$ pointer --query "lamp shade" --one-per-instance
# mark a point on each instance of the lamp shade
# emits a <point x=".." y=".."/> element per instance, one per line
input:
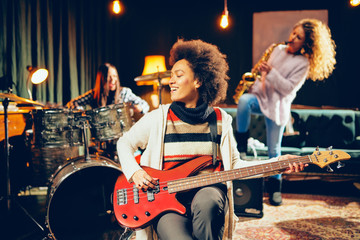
<point x="36" y="76"/>
<point x="154" y="64"/>
<point x="39" y="76"/>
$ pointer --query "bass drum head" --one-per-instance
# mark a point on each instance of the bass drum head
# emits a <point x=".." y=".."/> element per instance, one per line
<point x="79" y="200"/>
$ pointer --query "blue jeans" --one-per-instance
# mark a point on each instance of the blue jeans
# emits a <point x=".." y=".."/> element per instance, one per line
<point x="249" y="104"/>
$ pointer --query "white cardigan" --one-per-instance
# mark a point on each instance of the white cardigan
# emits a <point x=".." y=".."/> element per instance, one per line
<point x="148" y="133"/>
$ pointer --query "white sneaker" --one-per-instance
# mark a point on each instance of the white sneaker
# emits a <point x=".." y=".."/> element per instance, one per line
<point x="253" y="144"/>
<point x="256" y="143"/>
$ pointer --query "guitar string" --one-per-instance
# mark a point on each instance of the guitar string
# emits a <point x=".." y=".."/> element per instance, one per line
<point x="174" y="184"/>
<point x="178" y="184"/>
<point x="205" y="179"/>
<point x="251" y="170"/>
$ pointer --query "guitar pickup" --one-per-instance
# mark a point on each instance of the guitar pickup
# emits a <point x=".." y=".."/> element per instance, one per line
<point x="121" y="196"/>
<point x="151" y="193"/>
<point x="136" y="194"/>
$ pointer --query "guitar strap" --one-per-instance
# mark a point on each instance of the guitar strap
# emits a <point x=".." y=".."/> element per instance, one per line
<point x="213" y="133"/>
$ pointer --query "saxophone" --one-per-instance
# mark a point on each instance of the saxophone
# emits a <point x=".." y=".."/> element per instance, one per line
<point x="249" y="78"/>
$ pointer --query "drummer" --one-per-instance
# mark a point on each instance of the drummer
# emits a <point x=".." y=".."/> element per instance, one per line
<point x="108" y="91"/>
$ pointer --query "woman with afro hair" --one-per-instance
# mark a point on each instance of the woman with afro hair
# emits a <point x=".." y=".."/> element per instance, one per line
<point x="180" y="132"/>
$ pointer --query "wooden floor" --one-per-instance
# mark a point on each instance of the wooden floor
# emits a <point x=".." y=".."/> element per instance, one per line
<point x="27" y="218"/>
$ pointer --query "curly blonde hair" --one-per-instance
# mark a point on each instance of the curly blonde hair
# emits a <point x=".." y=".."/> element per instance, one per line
<point x="208" y="64"/>
<point x="319" y="48"/>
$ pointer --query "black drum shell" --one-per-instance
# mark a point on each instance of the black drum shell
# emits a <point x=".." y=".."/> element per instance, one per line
<point x="79" y="199"/>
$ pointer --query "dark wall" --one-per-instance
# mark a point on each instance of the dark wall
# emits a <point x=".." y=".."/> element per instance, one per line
<point x="151" y="27"/>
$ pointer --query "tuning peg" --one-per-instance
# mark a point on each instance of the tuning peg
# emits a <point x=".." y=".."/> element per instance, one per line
<point x="329" y="169"/>
<point x="340" y="165"/>
<point x="318" y="150"/>
<point x="330" y="149"/>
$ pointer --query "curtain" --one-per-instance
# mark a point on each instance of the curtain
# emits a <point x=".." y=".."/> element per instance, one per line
<point x="59" y="35"/>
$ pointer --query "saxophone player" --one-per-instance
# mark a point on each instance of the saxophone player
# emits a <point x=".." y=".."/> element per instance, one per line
<point x="308" y="54"/>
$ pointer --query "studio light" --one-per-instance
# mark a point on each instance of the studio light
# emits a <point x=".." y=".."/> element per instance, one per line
<point x="36" y="76"/>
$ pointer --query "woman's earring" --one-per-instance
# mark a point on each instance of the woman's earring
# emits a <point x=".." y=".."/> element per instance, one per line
<point x="302" y="51"/>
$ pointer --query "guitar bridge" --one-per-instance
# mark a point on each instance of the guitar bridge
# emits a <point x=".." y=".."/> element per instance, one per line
<point x="121" y="196"/>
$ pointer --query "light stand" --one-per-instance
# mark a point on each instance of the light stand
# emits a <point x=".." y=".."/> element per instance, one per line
<point x="159" y="87"/>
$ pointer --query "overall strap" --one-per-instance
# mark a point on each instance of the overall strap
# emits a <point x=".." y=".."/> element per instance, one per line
<point x="213" y="133"/>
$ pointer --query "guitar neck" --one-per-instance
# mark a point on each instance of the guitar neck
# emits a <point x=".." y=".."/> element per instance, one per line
<point x="202" y="180"/>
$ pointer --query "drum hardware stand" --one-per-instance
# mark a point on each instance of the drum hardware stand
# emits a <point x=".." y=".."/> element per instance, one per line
<point x="127" y="234"/>
<point x="84" y="125"/>
<point x="8" y="196"/>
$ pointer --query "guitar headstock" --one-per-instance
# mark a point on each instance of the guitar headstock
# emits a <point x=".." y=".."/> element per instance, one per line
<point x="325" y="158"/>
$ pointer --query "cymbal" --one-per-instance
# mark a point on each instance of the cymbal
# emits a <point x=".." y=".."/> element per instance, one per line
<point x="19" y="100"/>
<point x="152" y="77"/>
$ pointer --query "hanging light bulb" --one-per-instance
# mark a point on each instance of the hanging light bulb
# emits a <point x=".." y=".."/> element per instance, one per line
<point x="116" y="6"/>
<point x="224" y="22"/>
<point x="354" y="3"/>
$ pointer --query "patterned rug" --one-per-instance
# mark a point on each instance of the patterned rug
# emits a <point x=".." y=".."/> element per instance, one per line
<point x="305" y="217"/>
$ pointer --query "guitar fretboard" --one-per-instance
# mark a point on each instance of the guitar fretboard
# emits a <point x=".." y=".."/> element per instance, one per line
<point x="217" y="177"/>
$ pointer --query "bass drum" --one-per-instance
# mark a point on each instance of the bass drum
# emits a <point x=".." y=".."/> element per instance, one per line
<point x="79" y="201"/>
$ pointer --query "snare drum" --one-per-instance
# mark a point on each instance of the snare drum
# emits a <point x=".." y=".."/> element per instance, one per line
<point x="79" y="200"/>
<point x="110" y="122"/>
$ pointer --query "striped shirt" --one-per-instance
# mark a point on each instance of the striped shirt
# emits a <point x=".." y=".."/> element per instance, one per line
<point x="184" y="142"/>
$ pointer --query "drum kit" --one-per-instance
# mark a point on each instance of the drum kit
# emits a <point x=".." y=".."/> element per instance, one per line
<point x="79" y="184"/>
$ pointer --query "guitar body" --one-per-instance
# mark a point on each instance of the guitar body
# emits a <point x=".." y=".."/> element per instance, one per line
<point x="136" y="209"/>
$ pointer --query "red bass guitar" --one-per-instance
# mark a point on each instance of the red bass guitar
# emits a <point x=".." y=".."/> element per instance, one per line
<point x="136" y="209"/>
